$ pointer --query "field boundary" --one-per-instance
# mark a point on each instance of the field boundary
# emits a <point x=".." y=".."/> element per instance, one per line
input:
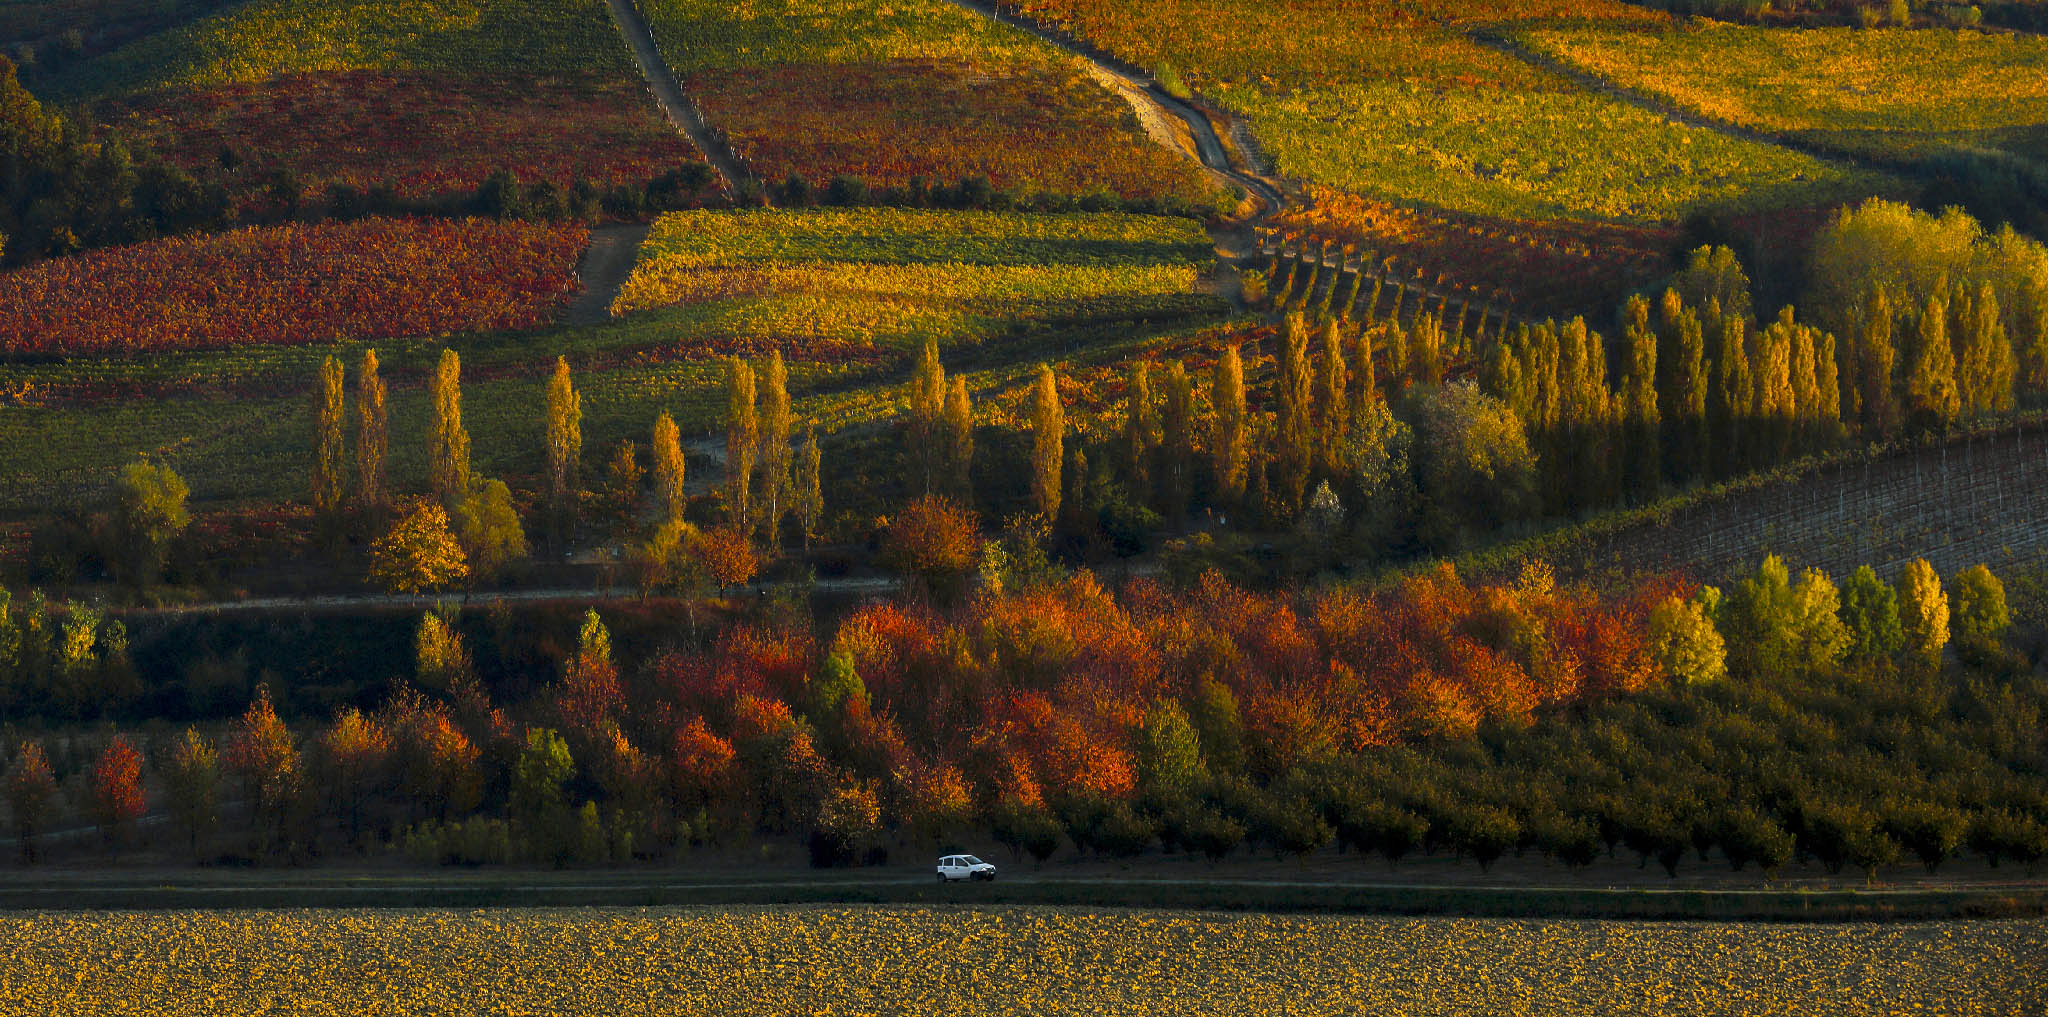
<point x="571" y="889"/>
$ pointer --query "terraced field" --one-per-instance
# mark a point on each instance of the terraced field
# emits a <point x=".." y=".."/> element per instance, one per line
<point x="917" y="962"/>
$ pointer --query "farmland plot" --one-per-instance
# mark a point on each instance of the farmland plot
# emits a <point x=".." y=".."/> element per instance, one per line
<point x="1040" y="960"/>
<point x="916" y="91"/>
<point x="370" y="279"/>
<point x="427" y="99"/>
<point x="1896" y="94"/>
<point x="1388" y="100"/>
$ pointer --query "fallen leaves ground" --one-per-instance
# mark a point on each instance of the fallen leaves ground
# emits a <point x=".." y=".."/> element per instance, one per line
<point x="916" y="961"/>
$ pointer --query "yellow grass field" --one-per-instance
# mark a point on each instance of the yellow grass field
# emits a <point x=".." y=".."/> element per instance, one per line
<point x="961" y="961"/>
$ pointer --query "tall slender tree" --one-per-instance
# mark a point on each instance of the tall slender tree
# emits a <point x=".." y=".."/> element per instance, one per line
<point x="1332" y="398"/>
<point x="809" y="496"/>
<point x="564" y="437"/>
<point x="448" y="463"/>
<point x="1876" y="359"/>
<point x="1048" y="435"/>
<point x="1931" y="395"/>
<point x="1229" y="443"/>
<point x="1730" y="407"/>
<point x="330" y="441"/>
<point x="667" y="450"/>
<point x="1177" y="440"/>
<point x="774" y="427"/>
<point x="371" y="435"/>
<point x="1827" y="412"/>
<point x="960" y="439"/>
<point x="927" y="407"/>
<point x="742" y="439"/>
<point x="1984" y="359"/>
<point x="1363" y="383"/>
<point x="1294" y="396"/>
<point x="1642" y="422"/>
<point x="1141" y="429"/>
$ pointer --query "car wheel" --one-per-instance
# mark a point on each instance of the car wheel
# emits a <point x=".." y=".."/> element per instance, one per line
<point x="942" y="877"/>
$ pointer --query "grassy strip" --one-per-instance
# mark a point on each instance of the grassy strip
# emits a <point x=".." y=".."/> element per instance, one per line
<point x="561" y="890"/>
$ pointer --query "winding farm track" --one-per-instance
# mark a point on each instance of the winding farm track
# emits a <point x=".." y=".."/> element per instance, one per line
<point x="669" y="92"/>
<point x="1236" y="241"/>
<point x="1136" y="84"/>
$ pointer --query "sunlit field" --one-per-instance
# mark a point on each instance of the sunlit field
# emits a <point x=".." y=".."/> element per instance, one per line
<point x="997" y="960"/>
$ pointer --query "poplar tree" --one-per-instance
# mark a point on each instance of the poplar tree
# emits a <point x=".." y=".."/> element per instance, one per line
<point x="1684" y="409"/>
<point x="564" y="439"/>
<point x="1227" y="438"/>
<point x="1426" y="351"/>
<point x="742" y="439"/>
<point x="1771" y="405"/>
<point x="667" y="452"/>
<point x="1931" y="395"/>
<point x="1639" y="402"/>
<point x="1876" y="357"/>
<point x="1984" y="359"/>
<point x="330" y="441"/>
<point x="1363" y="384"/>
<point x="927" y="406"/>
<point x="774" y="426"/>
<point x="622" y="478"/>
<point x="1176" y="425"/>
<point x="1332" y="399"/>
<point x="1141" y="430"/>
<point x="1827" y="413"/>
<point x="809" y="497"/>
<point x="449" y="460"/>
<point x="1048" y="427"/>
<point x="960" y="438"/>
<point x="371" y="435"/>
<point x="1806" y="409"/>
<point x="1295" y="392"/>
<point x="1730" y="407"/>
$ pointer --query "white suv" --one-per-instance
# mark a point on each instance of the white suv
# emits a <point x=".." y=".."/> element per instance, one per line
<point x="954" y="867"/>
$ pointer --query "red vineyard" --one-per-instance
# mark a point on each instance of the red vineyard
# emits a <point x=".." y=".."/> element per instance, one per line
<point x="424" y="135"/>
<point x="293" y="285"/>
<point x="1021" y="129"/>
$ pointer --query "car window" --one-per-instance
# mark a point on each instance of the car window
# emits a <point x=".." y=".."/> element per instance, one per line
<point x="970" y="859"/>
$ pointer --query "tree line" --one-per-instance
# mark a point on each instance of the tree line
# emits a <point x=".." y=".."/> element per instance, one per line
<point x="1780" y="720"/>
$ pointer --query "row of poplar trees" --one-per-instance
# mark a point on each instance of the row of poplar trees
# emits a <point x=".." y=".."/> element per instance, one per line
<point x="766" y="480"/>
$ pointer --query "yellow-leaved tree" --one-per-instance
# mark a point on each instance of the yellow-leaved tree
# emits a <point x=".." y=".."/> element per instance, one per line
<point x="419" y="554"/>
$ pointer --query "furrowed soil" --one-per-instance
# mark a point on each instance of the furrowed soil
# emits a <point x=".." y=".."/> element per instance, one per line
<point x="967" y="960"/>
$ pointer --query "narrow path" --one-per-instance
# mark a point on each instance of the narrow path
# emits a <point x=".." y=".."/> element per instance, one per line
<point x="421" y="602"/>
<point x="605" y="266"/>
<point x="669" y="92"/>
